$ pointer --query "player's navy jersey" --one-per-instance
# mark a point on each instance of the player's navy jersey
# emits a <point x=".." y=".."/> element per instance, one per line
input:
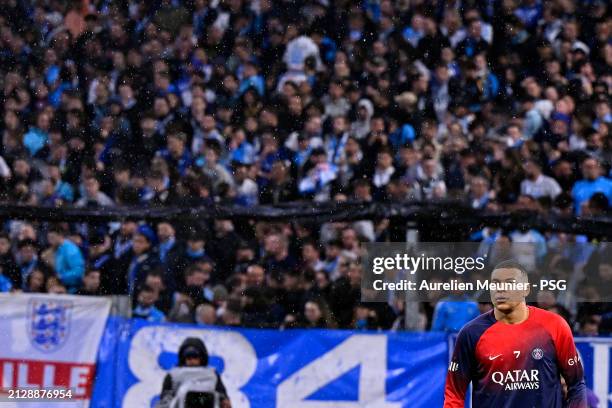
<point x="516" y="365"/>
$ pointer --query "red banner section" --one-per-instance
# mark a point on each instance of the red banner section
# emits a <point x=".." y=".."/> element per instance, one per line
<point x="35" y="374"/>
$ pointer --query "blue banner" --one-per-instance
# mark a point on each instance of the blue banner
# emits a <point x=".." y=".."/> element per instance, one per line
<point x="596" y="358"/>
<point x="271" y="368"/>
<point x="299" y="368"/>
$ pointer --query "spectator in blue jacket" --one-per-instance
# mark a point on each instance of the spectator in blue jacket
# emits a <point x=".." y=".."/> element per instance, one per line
<point x="251" y="79"/>
<point x="6" y="285"/>
<point x="37" y="137"/>
<point x="145" y="308"/>
<point x="593" y="182"/>
<point x="453" y="312"/>
<point x="68" y="261"/>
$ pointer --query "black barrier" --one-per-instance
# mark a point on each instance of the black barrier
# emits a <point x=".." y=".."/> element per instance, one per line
<point x="445" y="215"/>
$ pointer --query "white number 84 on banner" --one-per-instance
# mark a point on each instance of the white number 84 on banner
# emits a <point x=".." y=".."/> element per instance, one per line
<point x="240" y="364"/>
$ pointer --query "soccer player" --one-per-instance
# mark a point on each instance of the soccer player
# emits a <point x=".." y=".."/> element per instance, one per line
<point x="515" y="354"/>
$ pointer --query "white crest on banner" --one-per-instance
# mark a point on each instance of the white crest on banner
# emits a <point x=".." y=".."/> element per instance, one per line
<point x="48" y="323"/>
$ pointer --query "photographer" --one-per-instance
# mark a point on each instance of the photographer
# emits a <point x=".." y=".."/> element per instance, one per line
<point x="193" y="384"/>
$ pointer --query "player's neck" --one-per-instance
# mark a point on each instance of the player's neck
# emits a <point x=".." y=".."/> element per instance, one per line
<point x="518" y="315"/>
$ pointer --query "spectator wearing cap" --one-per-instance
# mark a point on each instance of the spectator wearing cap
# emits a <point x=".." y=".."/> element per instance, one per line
<point x="69" y="263"/>
<point x="142" y="259"/>
<point x="593" y="182"/>
<point x="195" y="249"/>
<point x="100" y="257"/>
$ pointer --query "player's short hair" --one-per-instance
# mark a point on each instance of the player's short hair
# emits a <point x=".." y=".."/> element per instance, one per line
<point x="511" y="264"/>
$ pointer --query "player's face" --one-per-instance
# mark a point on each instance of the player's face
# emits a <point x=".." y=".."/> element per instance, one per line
<point x="507" y="300"/>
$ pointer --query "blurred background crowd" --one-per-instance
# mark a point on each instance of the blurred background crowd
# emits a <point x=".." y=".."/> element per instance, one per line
<point x="502" y="105"/>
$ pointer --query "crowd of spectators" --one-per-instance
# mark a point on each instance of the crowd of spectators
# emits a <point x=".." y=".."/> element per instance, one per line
<point x="503" y="105"/>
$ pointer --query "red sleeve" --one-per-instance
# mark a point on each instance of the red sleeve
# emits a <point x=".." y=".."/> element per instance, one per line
<point x="570" y="365"/>
<point x="459" y="372"/>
